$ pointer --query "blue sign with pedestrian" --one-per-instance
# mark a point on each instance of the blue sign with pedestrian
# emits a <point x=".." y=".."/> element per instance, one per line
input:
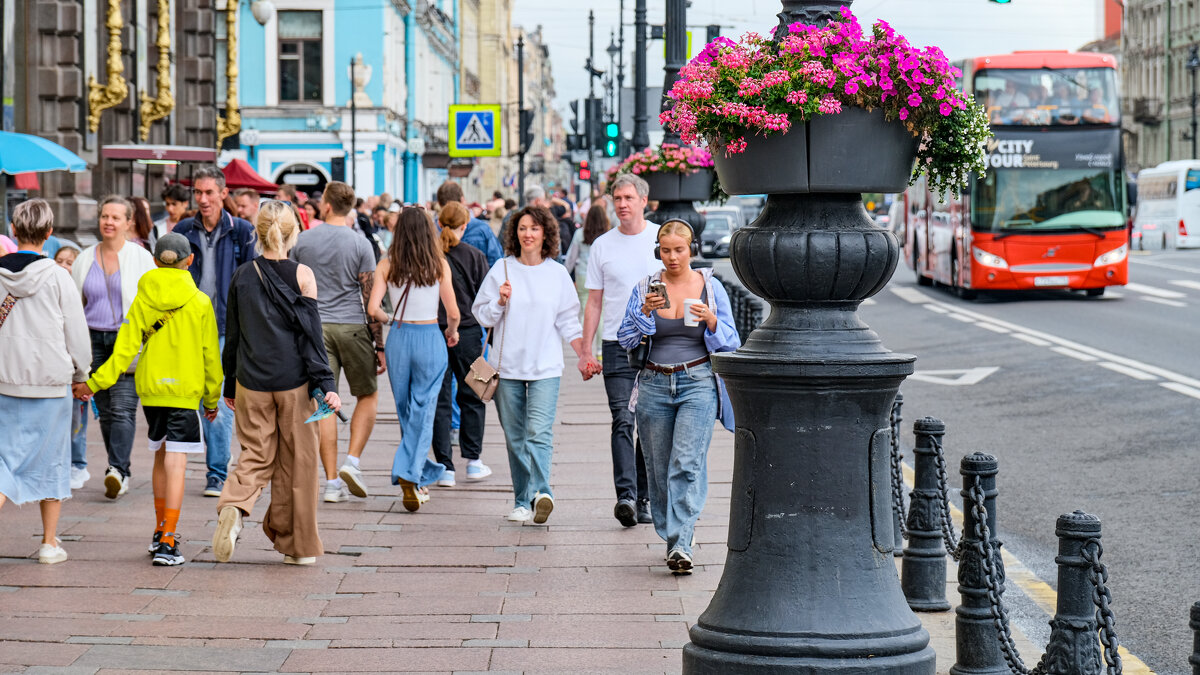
<point x="474" y="131"/>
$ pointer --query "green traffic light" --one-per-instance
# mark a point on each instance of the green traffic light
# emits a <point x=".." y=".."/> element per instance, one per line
<point x="610" y="149"/>
<point x="612" y="130"/>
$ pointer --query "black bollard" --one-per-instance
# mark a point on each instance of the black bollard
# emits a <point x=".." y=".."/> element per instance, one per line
<point x="1194" y="659"/>
<point x="897" y="478"/>
<point x="923" y="569"/>
<point x="977" y="649"/>
<point x="1073" y="648"/>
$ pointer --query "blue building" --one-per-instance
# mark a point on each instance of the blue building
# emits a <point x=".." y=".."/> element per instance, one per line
<point x="297" y="74"/>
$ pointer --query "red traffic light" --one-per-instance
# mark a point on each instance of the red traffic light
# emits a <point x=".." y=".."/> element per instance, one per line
<point x="585" y="174"/>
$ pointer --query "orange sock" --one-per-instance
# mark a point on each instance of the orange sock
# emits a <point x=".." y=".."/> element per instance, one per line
<point x="170" y="521"/>
<point x="160" y="505"/>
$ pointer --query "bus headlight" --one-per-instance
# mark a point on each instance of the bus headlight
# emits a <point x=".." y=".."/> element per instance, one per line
<point x="1112" y="257"/>
<point x="988" y="259"/>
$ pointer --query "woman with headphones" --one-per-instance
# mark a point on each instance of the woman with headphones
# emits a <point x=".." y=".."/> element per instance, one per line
<point x="686" y="315"/>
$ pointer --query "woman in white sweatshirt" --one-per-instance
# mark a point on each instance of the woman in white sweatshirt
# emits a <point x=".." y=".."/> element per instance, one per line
<point x="529" y="302"/>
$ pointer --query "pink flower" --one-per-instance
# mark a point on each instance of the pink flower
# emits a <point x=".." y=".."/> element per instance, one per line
<point x="851" y="88"/>
<point x="797" y="97"/>
<point x="914" y="100"/>
<point x="946" y="109"/>
<point x="903" y="114"/>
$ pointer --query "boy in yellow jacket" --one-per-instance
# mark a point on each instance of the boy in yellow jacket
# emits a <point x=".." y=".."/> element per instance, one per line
<point x="172" y="325"/>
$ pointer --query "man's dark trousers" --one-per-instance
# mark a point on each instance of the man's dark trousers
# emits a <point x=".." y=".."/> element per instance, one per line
<point x="629" y="468"/>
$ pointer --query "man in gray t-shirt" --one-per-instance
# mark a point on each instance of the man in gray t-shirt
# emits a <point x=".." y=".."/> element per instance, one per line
<point x="343" y="263"/>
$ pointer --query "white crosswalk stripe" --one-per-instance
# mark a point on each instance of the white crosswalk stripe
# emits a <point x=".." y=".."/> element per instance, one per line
<point x="1154" y="291"/>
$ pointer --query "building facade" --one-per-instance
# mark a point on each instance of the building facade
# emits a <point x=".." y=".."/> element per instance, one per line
<point x="1156" y="44"/>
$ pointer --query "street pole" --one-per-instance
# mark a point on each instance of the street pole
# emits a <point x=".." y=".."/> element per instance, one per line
<point x="676" y="38"/>
<point x="353" y="132"/>
<point x="620" y="73"/>
<point x="591" y="142"/>
<point x="641" y="136"/>
<point x="1193" y="65"/>
<point x="520" y="108"/>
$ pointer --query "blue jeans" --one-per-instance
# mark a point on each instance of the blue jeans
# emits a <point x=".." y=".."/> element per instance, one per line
<point x="218" y="435"/>
<point x="526" y="409"/>
<point x="117" y="406"/>
<point x="79" y="419"/>
<point x="675" y="416"/>
<point x="416" y="362"/>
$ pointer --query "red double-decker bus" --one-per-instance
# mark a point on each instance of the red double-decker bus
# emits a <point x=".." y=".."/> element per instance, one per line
<point x="1049" y="212"/>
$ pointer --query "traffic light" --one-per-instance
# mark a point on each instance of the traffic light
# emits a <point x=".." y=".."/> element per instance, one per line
<point x="574" y="117"/>
<point x="595" y="123"/>
<point x="526" y="120"/>
<point x="713" y="32"/>
<point x="612" y="138"/>
<point x="585" y="173"/>
<point x="1000" y="2"/>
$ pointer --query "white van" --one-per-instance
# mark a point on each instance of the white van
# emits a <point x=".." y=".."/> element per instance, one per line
<point x="1168" y="206"/>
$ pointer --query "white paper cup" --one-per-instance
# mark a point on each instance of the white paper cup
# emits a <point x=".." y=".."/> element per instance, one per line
<point x="689" y="319"/>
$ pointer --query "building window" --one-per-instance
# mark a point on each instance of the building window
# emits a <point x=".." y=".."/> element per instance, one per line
<point x="299" y="56"/>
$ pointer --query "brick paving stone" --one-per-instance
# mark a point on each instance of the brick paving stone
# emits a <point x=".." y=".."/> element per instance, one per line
<point x="554" y="631"/>
<point x="385" y="660"/>
<point x="98" y="640"/>
<point x="36" y="653"/>
<point x="407" y="581"/>
<point x="54" y="670"/>
<point x="298" y="644"/>
<point x="435" y="602"/>
<point x="429" y="628"/>
<point x="547" y="660"/>
<point x="147" y="657"/>
<point x="52" y="629"/>
<point x="275" y="628"/>
<point x="40" y="599"/>
<point x="500" y="618"/>
<point x="610" y="602"/>
<point x="436" y="556"/>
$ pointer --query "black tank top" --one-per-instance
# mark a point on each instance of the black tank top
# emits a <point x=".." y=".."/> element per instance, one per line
<point x="286" y="269"/>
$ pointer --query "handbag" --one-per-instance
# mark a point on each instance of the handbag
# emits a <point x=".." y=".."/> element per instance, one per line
<point x="482" y="378"/>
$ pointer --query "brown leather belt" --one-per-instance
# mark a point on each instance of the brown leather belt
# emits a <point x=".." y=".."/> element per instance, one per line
<point x="667" y="370"/>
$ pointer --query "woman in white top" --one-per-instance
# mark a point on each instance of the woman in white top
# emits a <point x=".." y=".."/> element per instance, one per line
<point x="530" y="303"/>
<point x="417" y="277"/>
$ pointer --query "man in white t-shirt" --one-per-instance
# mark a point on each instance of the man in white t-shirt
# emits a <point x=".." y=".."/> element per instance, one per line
<point x="618" y="260"/>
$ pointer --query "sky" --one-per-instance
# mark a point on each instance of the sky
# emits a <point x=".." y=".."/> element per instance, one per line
<point x="962" y="28"/>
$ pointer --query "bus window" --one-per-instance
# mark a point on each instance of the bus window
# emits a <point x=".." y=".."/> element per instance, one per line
<point x="1049" y="97"/>
<point x="1193" y="180"/>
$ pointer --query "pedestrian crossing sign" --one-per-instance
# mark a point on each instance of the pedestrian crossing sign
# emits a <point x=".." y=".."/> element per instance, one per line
<point x="474" y="131"/>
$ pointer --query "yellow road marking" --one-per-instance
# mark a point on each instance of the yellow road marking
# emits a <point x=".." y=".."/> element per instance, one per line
<point x="1039" y="591"/>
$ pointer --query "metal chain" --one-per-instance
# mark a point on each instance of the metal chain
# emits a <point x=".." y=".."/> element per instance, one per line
<point x="1098" y="575"/>
<point x="983" y="549"/>
<point x="898" y="478"/>
<point x="947" y="524"/>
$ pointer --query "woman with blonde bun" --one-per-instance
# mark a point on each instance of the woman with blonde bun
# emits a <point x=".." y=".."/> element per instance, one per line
<point x="275" y="363"/>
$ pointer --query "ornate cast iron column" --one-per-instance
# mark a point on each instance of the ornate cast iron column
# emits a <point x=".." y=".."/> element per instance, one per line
<point x="232" y="122"/>
<point x="810" y="583"/>
<point x="154" y="109"/>
<point x="101" y="97"/>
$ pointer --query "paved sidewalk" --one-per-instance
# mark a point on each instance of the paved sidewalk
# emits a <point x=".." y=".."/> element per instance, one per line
<point x="451" y="588"/>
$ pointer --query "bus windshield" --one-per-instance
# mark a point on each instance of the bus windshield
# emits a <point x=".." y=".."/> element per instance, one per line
<point x="1045" y="96"/>
<point x="1036" y="200"/>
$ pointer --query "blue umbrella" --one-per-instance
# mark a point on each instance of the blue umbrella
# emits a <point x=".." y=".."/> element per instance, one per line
<point x="23" y="153"/>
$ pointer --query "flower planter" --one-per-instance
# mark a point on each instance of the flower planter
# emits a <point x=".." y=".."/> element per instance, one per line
<point x="677" y="187"/>
<point x="852" y="151"/>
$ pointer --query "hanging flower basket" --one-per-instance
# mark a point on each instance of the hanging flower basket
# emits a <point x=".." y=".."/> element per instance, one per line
<point x="674" y="172"/>
<point x="826" y="109"/>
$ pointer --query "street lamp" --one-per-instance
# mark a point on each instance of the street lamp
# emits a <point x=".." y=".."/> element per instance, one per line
<point x="612" y="50"/>
<point x="263" y="11"/>
<point x="1193" y="64"/>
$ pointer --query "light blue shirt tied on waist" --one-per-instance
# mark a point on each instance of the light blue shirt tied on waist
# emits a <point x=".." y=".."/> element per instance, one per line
<point x="724" y="339"/>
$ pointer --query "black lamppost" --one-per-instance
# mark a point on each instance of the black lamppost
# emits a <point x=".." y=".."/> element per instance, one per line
<point x="641" y="135"/>
<point x="612" y="49"/>
<point x="809" y="584"/>
<point x="1193" y="65"/>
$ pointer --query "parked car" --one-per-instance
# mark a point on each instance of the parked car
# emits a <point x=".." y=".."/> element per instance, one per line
<point x="719" y="226"/>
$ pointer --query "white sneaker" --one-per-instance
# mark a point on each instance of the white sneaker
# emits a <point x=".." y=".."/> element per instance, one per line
<point x="49" y="554"/>
<point x="447" y="479"/>
<point x="304" y="560"/>
<point x="478" y="471"/>
<point x="115" y="484"/>
<point x="79" y="477"/>
<point x="353" y="478"/>
<point x="543" y="504"/>
<point x="520" y="515"/>
<point x="229" y="525"/>
<point x="335" y="493"/>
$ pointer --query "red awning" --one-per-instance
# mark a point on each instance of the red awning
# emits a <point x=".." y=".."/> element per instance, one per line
<point x="159" y="153"/>
<point x="238" y="174"/>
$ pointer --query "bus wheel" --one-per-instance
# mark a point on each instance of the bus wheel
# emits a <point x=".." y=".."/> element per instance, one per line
<point x="1095" y="292"/>
<point x="960" y="291"/>
<point x="922" y="280"/>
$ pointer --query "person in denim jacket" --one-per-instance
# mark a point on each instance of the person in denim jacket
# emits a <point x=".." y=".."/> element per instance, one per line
<point x="678" y="396"/>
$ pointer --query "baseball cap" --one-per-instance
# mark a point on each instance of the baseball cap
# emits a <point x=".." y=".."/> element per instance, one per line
<point x="171" y="248"/>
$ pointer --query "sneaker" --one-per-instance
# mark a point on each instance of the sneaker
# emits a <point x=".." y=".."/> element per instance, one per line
<point x="412" y="498"/>
<point x="643" y="512"/>
<point x="520" y="515"/>
<point x="679" y="562"/>
<point x="155" y="542"/>
<point x="50" y="554"/>
<point x="115" y="484"/>
<point x="336" y="492"/>
<point x="229" y="525"/>
<point x="447" y="479"/>
<point x="478" y="471"/>
<point x="626" y="512"/>
<point x="213" y="487"/>
<point x="543" y="504"/>
<point x="79" y="477"/>
<point x="303" y="560"/>
<point x="454" y="437"/>
<point x="168" y="555"/>
<point x="353" y="478"/>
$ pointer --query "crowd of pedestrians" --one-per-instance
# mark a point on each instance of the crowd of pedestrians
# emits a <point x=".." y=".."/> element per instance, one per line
<point x="246" y="313"/>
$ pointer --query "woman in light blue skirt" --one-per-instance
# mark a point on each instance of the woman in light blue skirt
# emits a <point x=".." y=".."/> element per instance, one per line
<point x="44" y="347"/>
